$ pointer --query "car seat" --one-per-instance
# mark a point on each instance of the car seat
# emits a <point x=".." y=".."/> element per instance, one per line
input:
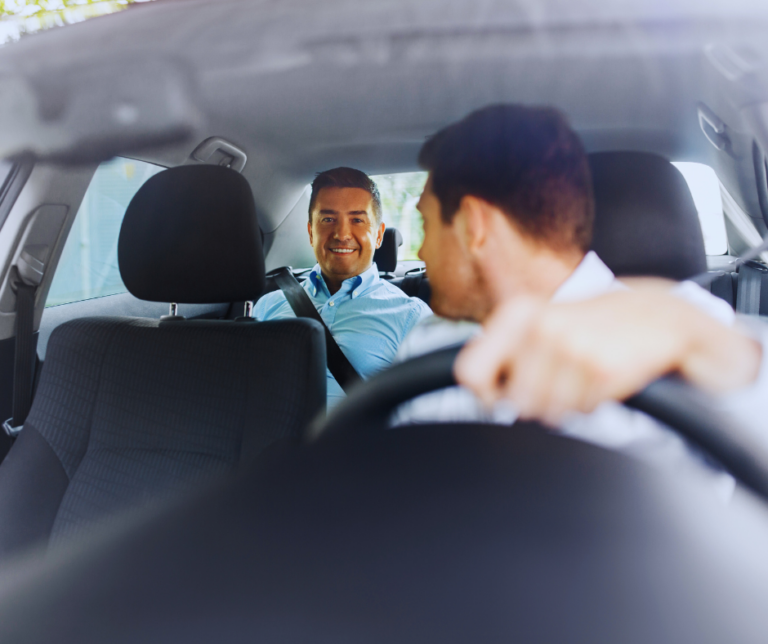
<point x="130" y="410"/>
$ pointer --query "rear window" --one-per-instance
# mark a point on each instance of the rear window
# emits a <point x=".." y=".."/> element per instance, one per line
<point x="88" y="265"/>
<point x="705" y="188"/>
<point x="399" y="195"/>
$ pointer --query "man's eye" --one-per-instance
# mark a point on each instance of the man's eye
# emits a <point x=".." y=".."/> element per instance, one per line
<point x="327" y="220"/>
<point x="358" y="221"/>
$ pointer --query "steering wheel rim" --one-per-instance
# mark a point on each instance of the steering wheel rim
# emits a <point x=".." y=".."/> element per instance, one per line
<point x="669" y="400"/>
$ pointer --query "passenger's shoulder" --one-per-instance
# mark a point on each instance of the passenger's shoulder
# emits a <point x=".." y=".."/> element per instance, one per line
<point x="269" y="304"/>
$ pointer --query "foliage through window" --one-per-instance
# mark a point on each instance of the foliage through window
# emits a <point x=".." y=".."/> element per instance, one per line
<point x="88" y="265"/>
<point x="399" y="195"/>
<point x="19" y="18"/>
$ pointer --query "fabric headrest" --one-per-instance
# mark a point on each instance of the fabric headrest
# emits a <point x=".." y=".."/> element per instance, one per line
<point x="386" y="254"/>
<point x="645" y="220"/>
<point x="190" y="235"/>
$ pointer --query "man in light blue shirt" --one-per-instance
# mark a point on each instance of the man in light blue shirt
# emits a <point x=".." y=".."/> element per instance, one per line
<point x="367" y="316"/>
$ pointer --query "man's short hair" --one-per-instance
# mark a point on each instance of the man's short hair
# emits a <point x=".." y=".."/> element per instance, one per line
<point x="526" y="161"/>
<point x="346" y="178"/>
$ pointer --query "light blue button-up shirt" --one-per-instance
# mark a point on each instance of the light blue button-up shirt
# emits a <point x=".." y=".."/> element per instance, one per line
<point x="367" y="316"/>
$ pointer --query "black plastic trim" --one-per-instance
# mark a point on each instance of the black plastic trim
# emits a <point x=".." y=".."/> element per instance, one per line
<point x="761" y="178"/>
<point x="12" y="186"/>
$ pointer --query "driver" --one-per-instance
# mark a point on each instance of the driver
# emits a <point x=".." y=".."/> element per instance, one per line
<point x="553" y="359"/>
<point x="508" y="213"/>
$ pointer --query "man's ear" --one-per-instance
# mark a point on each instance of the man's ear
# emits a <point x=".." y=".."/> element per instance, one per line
<point x="474" y="215"/>
<point x="380" y="234"/>
<point x="309" y="230"/>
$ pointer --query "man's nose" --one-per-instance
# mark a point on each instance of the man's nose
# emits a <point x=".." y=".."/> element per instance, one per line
<point x="343" y="230"/>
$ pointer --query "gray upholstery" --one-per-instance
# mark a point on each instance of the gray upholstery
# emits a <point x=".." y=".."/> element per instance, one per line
<point x="133" y="410"/>
<point x="645" y="220"/>
<point x="190" y="234"/>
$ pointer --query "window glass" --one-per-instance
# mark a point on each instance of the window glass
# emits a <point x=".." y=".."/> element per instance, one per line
<point x="399" y="195"/>
<point x="88" y="264"/>
<point x="705" y="188"/>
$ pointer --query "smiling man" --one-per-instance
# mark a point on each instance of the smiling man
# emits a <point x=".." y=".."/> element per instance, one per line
<point x="367" y="316"/>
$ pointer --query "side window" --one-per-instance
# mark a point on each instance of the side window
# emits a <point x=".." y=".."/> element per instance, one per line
<point x="705" y="189"/>
<point x="399" y="195"/>
<point x="88" y="264"/>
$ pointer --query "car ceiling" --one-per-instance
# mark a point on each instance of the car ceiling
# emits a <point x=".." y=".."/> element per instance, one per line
<point x="302" y="86"/>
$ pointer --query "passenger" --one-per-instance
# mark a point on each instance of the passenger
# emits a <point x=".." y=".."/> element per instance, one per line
<point x="508" y="212"/>
<point x="367" y="316"/>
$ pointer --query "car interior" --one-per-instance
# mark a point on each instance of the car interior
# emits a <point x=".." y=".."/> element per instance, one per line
<point x="145" y="196"/>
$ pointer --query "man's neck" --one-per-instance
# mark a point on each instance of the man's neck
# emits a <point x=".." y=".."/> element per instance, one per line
<point x="545" y="272"/>
<point x="334" y="283"/>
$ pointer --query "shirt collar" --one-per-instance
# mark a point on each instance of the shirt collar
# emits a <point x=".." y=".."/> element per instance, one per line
<point x="354" y="285"/>
<point x="591" y="278"/>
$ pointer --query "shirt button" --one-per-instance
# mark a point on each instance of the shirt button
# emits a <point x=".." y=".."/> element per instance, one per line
<point x="332" y="303"/>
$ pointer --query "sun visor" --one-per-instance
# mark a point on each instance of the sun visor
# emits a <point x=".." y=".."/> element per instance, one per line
<point x="96" y="110"/>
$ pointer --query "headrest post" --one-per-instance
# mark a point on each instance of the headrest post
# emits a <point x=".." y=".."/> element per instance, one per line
<point x="173" y="310"/>
<point x="248" y="312"/>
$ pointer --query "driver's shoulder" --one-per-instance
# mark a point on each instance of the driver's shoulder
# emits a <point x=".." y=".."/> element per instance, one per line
<point x="705" y="301"/>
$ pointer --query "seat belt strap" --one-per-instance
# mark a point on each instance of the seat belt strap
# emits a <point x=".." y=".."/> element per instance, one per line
<point x="748" y="291"/>
<point x="338" y="364"/>
<point x="23" y="359"/>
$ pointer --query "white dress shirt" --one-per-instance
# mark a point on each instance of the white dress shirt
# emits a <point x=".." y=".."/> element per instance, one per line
<point x="611" y="425"/>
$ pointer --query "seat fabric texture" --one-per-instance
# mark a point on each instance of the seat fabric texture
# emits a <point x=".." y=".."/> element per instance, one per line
<point x="131" y="410"/>
<point x="128" y="411"/>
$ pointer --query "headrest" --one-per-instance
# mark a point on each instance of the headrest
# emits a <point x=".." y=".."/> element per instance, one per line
<point x="386" y="254"/>
<point x="645" y="220"/>
<point x="190" y="235"/>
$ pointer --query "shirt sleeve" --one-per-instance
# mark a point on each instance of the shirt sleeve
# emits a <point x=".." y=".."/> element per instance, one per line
<point x="268" y="307"/>
<point x="749" y="406"/>
<point x="704" y="300"/>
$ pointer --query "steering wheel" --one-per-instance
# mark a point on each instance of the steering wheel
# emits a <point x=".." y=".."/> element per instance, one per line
<point x="669" y="400"/>
<point x="449" y="533"/>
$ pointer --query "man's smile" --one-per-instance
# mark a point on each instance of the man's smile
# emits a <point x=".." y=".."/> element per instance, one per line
<point x="342" y="251"/>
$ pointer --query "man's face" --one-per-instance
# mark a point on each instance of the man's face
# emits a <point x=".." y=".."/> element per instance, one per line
<point x="343" y="232"/>
<point x="458" y="290"/>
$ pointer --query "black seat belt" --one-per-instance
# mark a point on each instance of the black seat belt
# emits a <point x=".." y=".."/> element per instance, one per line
<point x="338" y="364"/>
<point x="24" y="357"/>
<point x="748" y="291"/>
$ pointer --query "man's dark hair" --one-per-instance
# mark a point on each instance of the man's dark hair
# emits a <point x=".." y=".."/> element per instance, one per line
<point x="346" y="178"/>
<point x="526" y="161"/>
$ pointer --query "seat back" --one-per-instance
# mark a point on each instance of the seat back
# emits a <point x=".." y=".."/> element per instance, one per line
<point x="131" y="410"/>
